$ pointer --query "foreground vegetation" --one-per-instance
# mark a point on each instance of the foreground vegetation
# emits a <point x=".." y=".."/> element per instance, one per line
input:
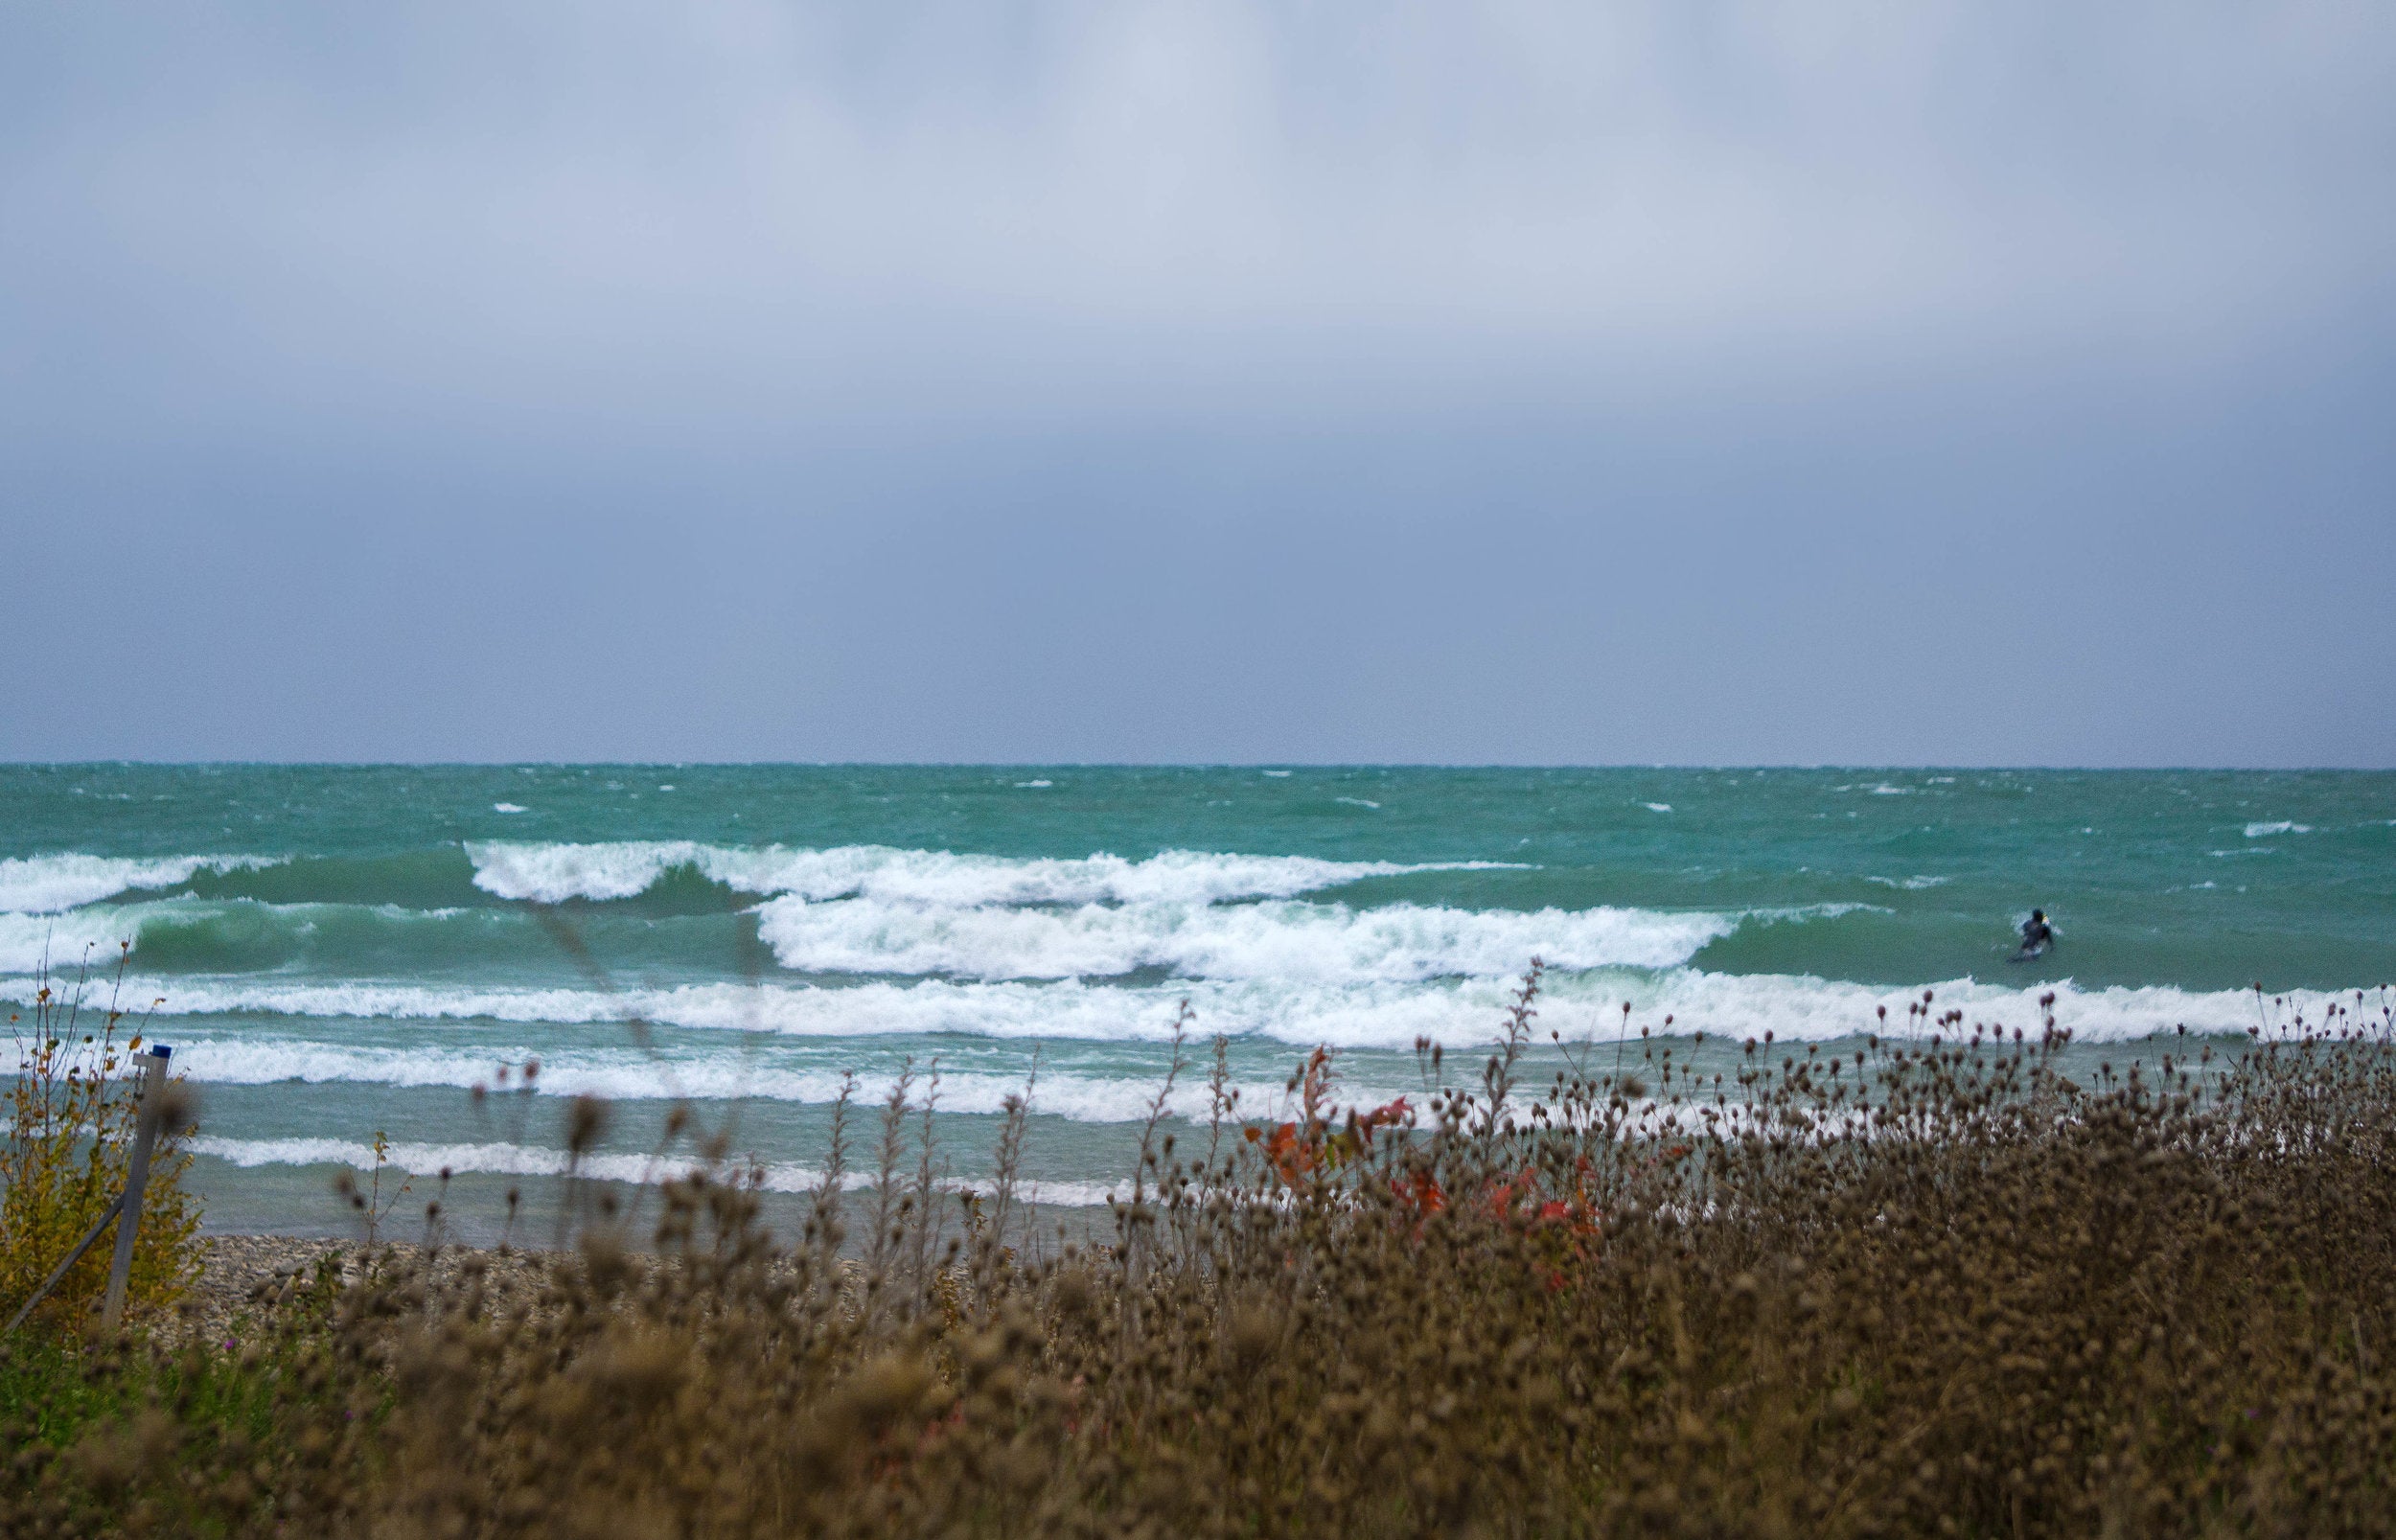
<point x="70" y="1114"/>
<point x="1933" y="1288"/>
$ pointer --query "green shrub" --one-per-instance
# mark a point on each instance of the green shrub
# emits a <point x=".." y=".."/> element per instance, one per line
<point x="72" y="1109"/>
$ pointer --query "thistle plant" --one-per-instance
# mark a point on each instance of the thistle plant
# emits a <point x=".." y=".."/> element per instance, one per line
<point x="1927" y="1284"/>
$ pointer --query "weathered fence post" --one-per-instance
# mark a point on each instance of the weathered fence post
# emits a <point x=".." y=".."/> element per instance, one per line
<point x="136" y="1178"/>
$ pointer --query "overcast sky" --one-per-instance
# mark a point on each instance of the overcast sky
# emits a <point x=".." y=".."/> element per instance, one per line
<point x="1587" y="382"/>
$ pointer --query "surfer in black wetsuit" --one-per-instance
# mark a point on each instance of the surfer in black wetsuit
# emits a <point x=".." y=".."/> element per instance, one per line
<point x="2036" y="936"/>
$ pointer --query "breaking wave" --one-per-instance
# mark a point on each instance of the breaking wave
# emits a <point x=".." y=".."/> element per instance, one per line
<point x="64" y="942"/>
<point x="1276" y="939"/>
<point x="1377" y="1015"/>
<point x="51" y="884"/>
<point x="628" y="1075"/>
<point x="555" y="873"/>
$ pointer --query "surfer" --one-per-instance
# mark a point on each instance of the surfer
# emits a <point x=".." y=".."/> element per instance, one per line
<point x="2036" y="936"/>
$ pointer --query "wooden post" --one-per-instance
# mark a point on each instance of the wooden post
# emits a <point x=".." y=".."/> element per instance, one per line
<point x="136" y="1178"/>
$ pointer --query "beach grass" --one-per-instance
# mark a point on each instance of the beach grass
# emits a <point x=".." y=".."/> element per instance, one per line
<point x="1933" y="1287"/>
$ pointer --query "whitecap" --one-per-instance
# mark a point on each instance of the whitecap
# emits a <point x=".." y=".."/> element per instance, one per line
<point x="1270" y="939"/>
<point x="2259" y="831"/>
<point x="50" y="884"/>
<point x="64" y="943"/>
<point x="1368" y="1016"/>
<point x="1358" y="802"/>
<point x="552" y="873"/>
<point x="1807" y="1008"/>
<point x="624" y="1073"/>
<point x="1657" y="807"/>
<point x="508" y="806"/>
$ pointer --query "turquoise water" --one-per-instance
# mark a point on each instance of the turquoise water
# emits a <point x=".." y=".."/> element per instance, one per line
<point x="343" y="950"/>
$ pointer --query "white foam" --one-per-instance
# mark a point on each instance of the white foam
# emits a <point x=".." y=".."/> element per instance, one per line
<point x="1362" y="1016"/>
<point x="1278" y="939"/>
<point x="1657" y="807"/>
<point x="1813" y="1009"/>
<point x="553" y="873"/>
<point x="1368" y="1016"/>
<point x="626" y="1074"/>
<point x="509" y="807"/>
<point x="2259" y="831"/>
<point x="63" y="943"/>
<point x="419" y="1159"/>
<point x="50" y="884"/>
<point x="1378" y="1015"/>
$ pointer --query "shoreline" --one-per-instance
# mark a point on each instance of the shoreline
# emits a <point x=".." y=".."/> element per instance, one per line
<point x="243" y="1279"/>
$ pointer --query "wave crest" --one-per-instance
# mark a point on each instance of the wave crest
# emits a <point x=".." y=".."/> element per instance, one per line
<point x="51" y="885"/>
<point x="1368" y="1016"/>
<point x="555" y="873"/>
<point x="628" y="1075"/>
<point x="1323" y="943"/>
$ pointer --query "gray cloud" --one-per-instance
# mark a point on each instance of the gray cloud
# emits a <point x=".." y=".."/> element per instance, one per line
<point x="535" y="303"/>
<point x="495" y="200"/>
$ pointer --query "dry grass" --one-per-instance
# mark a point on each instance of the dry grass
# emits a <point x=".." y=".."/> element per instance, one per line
<point x="1931" y="1288"/>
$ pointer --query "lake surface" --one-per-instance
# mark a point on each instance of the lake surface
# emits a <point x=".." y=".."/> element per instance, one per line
<point x="334" y="952"/>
